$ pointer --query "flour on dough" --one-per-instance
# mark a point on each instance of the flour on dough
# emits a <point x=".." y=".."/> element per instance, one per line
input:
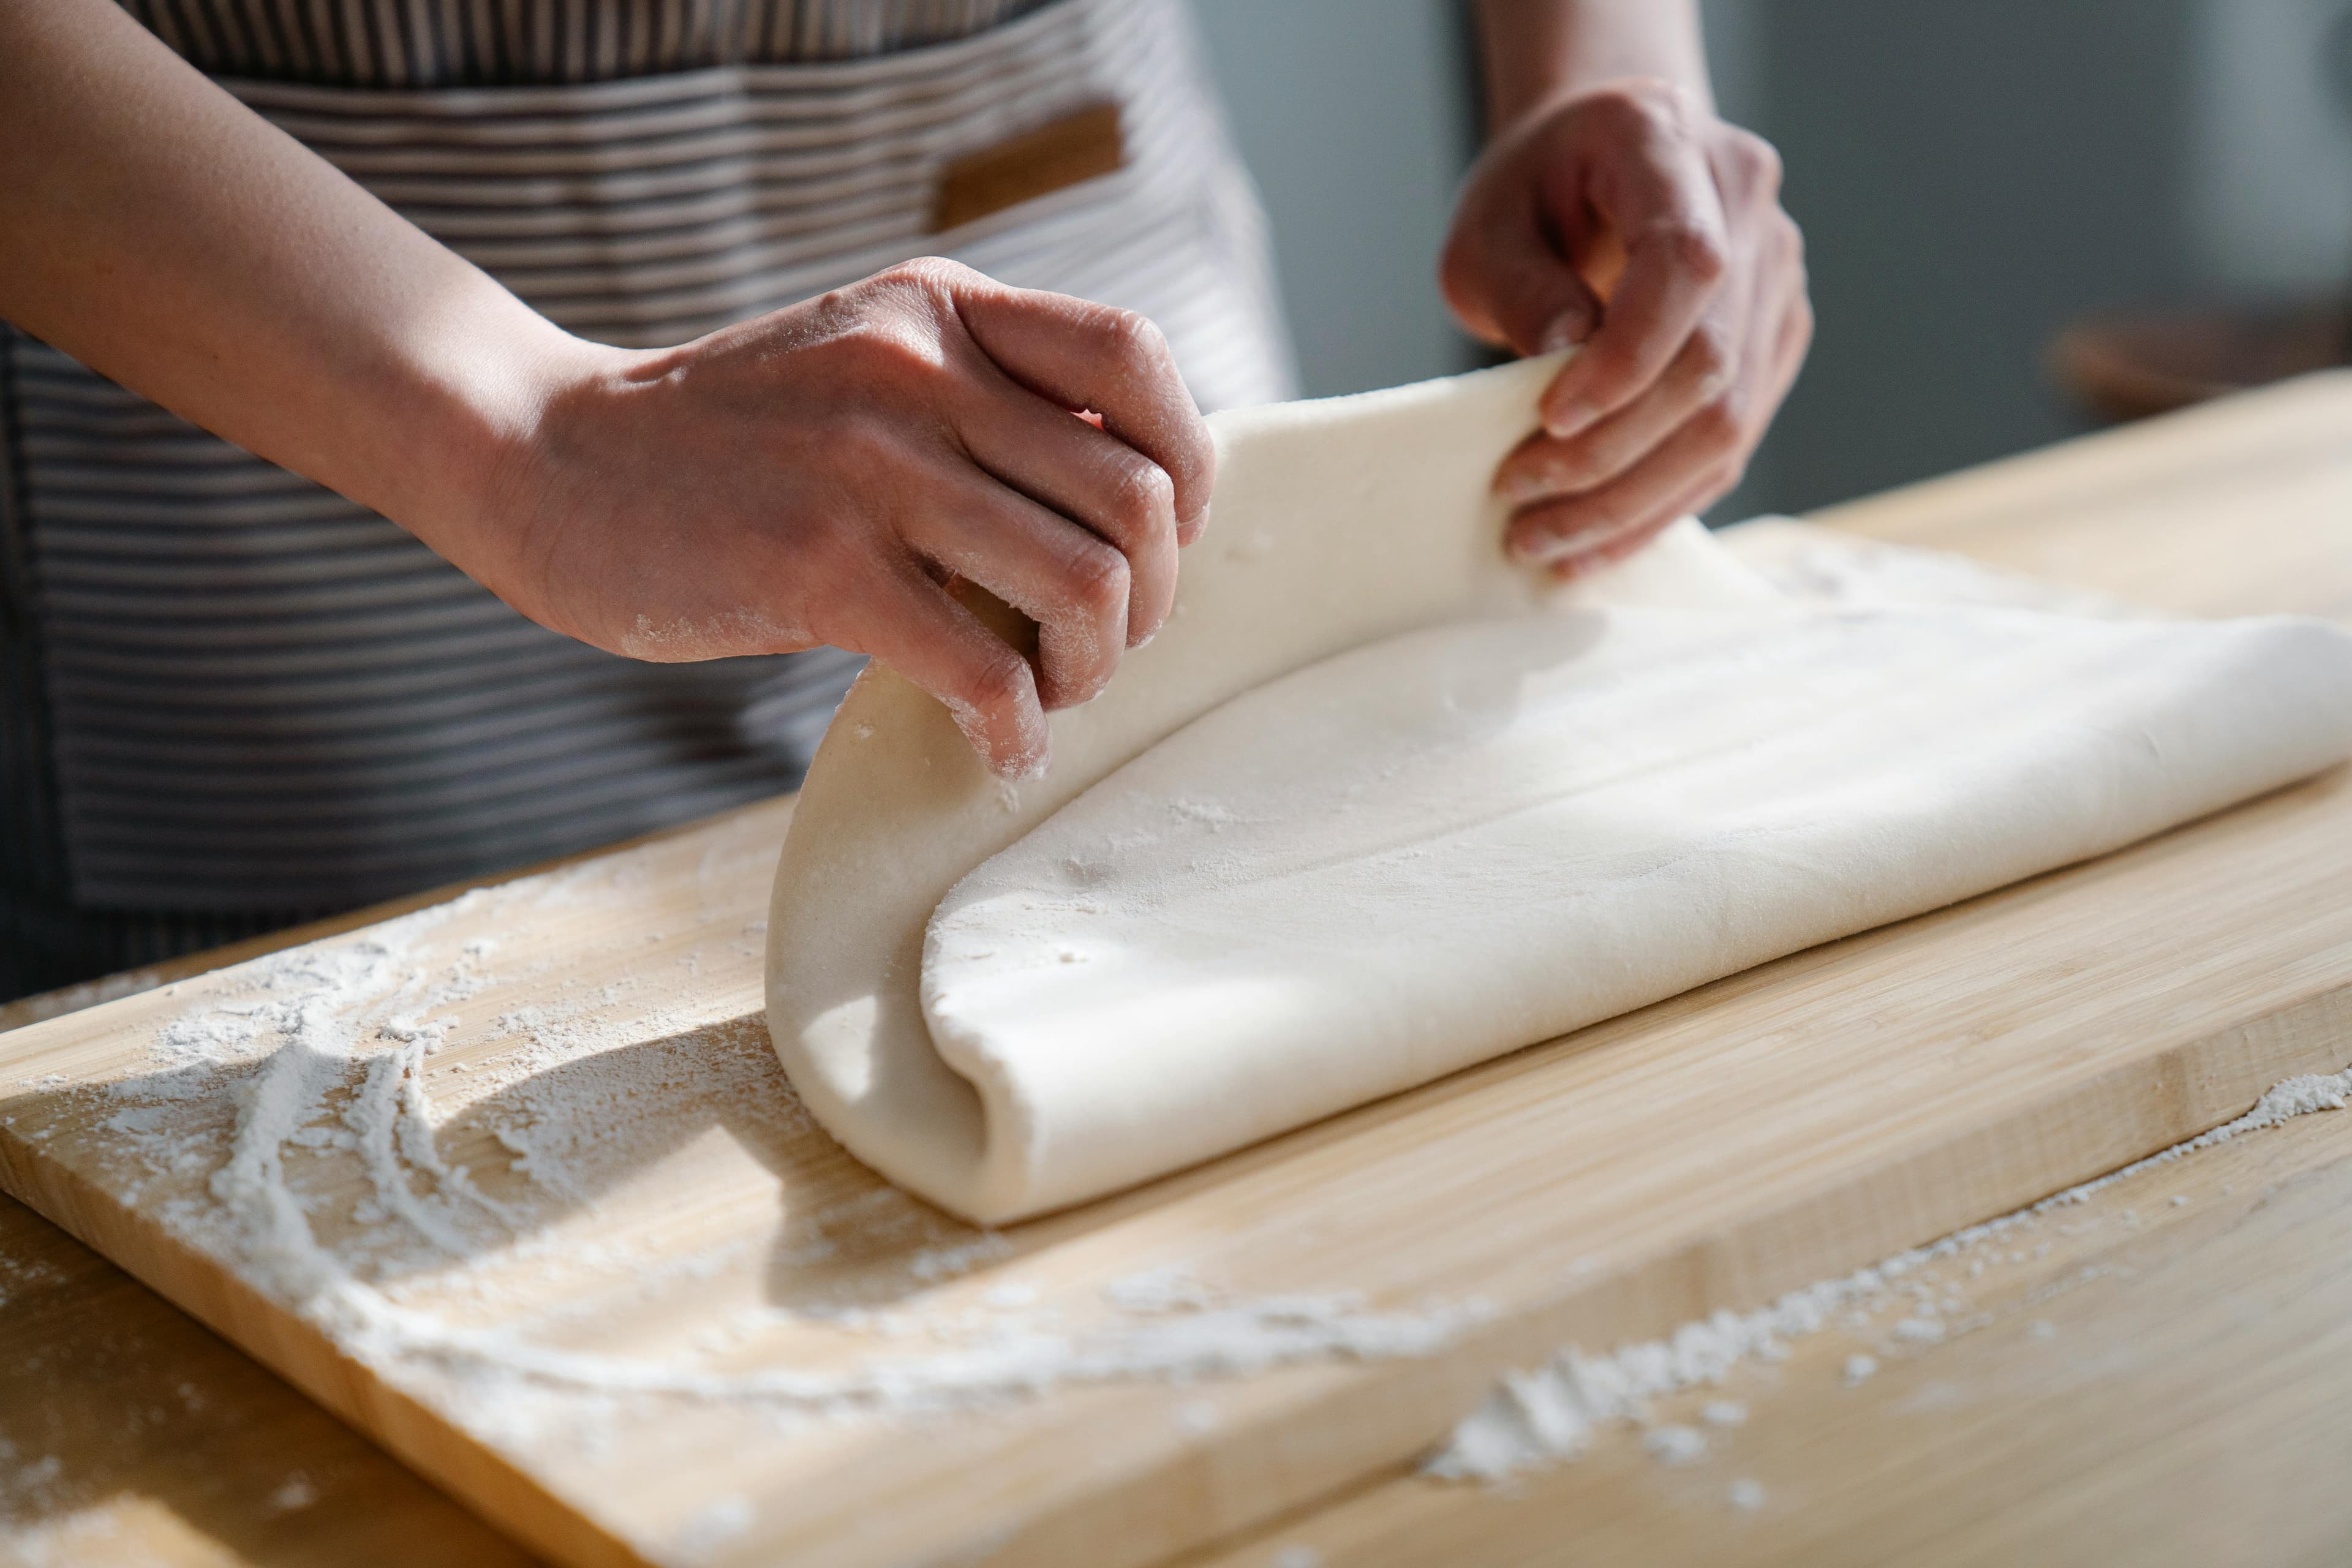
<point x="1444" y="846"/>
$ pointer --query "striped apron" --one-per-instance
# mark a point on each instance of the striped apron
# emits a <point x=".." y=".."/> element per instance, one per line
<point x="230" y="699"/>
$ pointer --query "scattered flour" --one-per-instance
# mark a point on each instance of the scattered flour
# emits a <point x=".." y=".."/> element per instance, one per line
<point x="712" y="1526"/>
<point x="937" y="1263"/>
<point x="292" y="1114"/>
<point x="1556" y="1411"/>
<point x="299" y="1492"/>
<point x="1675" y="1445"/>
<point x="1747" y="1496"/>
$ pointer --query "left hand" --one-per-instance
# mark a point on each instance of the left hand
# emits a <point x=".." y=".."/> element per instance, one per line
<point x="1628" y="218"/>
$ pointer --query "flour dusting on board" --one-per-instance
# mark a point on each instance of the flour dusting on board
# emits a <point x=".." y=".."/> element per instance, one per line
<point x="1557" y="1410"/>
<point x="306" y="1123"/>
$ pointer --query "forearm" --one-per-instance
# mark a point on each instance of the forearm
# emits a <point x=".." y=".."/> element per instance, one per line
<point x="160" y="232"/>
<point x="1536" y="49"/>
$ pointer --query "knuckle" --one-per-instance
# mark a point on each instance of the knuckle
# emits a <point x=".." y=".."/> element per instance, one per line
<point x="1708" y="354"/>
<point x="891" y="351"/>
<point x="1692" y="249"/>
<point x="1720" y="425"/>
<point x="1133" y="337"/>
<point x="1143" y="500"/>
<point x="1755" y="158"/>
<point x="929" y="274"/>
<point x="1791" y="240"/>
<point x="1096" y="576"/>
<point x="995" y="681"/>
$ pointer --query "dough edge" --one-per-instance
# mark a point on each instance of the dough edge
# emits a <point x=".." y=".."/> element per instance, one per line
<point x="1321" y="539"/>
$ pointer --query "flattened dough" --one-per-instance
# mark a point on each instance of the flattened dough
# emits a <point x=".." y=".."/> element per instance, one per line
<point x="1504" y="814"/>
<point x="1437" y="848"/>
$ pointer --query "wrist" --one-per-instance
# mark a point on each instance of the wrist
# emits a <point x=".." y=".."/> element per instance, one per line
<point x="1540" y="52"/>
<point x="500" y="403"/>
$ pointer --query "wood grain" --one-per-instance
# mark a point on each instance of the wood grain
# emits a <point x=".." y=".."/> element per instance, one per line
<point x="1773" y="1127"/>
<point x="135" y="1436"/>
<point x="2130" y="1381"/>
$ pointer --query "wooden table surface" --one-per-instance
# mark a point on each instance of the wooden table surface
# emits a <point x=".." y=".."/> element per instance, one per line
<point x="2162" y="1384"/>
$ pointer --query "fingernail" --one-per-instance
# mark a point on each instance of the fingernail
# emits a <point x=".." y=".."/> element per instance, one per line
<point x="1568" y="329"/>
<point x="1536" y="549"/>
<point x="1547" y="549"/>
<point x="1193" y="526"/>
<point x="1567" y="418"/>
<point x="1521" y="488"/>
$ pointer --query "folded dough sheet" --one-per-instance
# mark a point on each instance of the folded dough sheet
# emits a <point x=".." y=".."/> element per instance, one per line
<point x="1432" y="850"/>
<point x="1375" y="807"/>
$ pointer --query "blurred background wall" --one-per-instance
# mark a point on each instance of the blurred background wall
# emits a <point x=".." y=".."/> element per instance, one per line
<point x="1971" y="178"/>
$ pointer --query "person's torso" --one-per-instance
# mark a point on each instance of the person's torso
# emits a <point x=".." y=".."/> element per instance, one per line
<point x="251" y="694"/>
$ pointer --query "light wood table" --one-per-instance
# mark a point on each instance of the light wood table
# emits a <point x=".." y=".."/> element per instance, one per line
<point x="2162" y="1384"/>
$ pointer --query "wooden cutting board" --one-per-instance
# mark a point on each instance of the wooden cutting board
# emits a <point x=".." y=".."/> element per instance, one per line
<point x="1772" y="1128"/>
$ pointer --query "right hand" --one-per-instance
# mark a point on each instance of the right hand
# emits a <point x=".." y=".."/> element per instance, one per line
<point x="819" y="474"/>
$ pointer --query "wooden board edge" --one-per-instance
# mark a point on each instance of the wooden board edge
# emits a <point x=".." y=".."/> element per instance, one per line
<point x="509" y="1500"/>
<point x="40" y="1006"/>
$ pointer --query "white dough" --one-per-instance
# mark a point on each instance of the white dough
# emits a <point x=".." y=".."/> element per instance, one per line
<point x="1496" y="813"/>
<point x="1434" y="849"/>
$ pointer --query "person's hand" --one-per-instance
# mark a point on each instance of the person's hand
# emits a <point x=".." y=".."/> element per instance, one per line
<point x="820" y="474"/>
<point x="1628" y="218"/>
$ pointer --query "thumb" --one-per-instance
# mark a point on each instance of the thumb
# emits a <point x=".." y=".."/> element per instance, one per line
<point x="1508" y="285"/>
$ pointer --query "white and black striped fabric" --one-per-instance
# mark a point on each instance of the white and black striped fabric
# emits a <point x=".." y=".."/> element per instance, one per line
<point x="230" y="699"/>
<point x="505" y="43"/>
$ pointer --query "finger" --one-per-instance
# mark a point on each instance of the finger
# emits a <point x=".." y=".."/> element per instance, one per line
<point x="1095" y="479"/>
<point x="1073" y="584"/>
<point x="1794" y="333"/>
<point x="1082" y="355"/>
<point x="1545" y="466"/>
<point x="985" y="684"/>
<point x="1701" y="459"/>
<point x="1659" y="195"/>
<point x="1509" y="285"/>
<point x="1617" y="547"/>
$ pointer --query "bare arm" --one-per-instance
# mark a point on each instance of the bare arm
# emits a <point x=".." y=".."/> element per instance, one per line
<point x="160" y="233"/>
<point x="1614" y="209"/>
<point x="1535" y="49"/>
<point x="811" y="476"/>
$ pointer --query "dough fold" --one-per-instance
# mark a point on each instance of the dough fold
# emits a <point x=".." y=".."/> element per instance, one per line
<point x="1430" y="851"/>
<point x="1376" y="806"/>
